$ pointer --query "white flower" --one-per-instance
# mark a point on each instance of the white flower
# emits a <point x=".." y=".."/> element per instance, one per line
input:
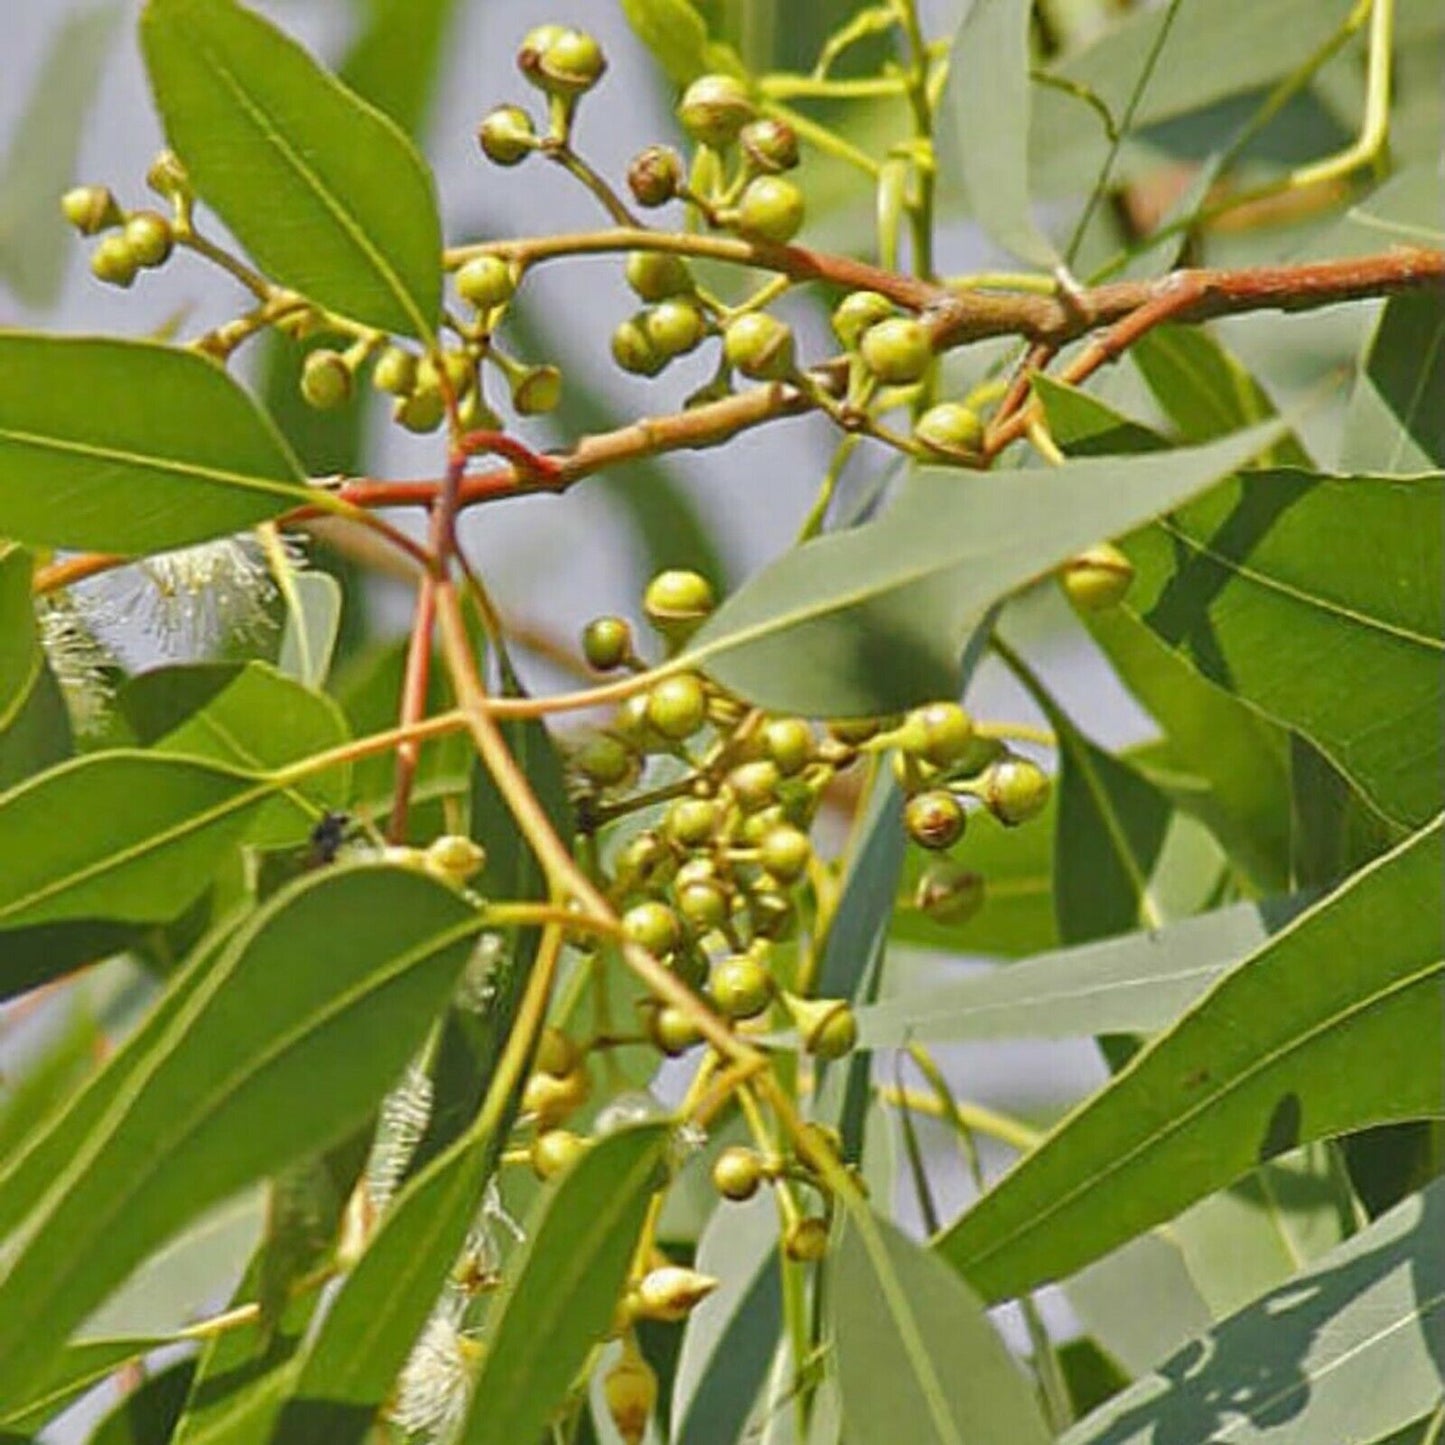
<point x="436" y="1383"/>
<point x="403" y="1119"/>
<point x="78" y="660"/>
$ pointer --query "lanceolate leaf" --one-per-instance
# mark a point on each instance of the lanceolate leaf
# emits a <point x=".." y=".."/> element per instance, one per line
<point x="1350" y="1349"/>
<point x="71" y="1372"/>
<point x="325" y="192"/>
<point x="128" y="446"/>
<point x="1332" y="1025"/>
<point x="155" y="830"/>
<point x="917" y="1358"/>
<point x="873" y="619"/>
<point x="21" y="661"/>
<point x="334" y="980"/>
<point x="985" y="115"/>
<point x="1396" y="422"/>
<point x="562" y="1286"/>
<point x="1139" y="983"/>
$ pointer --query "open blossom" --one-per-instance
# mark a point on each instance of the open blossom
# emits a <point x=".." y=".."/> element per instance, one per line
<point x="78" y="659"/>
<point x="436" y="1384"/>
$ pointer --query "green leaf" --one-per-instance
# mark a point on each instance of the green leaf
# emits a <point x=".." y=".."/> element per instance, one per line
<point x="253" y="718"/>
<point x="21" y="660"/>
<point x="157" y="829"/>
<point x="335" y="979"/>
<point x="395" y="62"/>
<point x="72" y="1371"/>
<point x="561" y="1287"/>
<point x="308" y="642"/>
<point x="324" y="191"/>
<point x="149" y="1413"/>
<point x="917" y="1358"/>
<point x="130" y="447"/>
<point x="675" y="34"/>
<point x="1332" y="1025"/>
<point x="873" y="619"/>
<point x="1349" y="1349"/>
<point x="1140" y="983"/>
<point x="985" y="114"/>
<point x="35" y="242"/>
<point x="1395" y="422"/>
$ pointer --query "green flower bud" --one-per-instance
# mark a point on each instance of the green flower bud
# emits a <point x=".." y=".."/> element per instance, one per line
<point x="643" y="861"/>
<point x="561" y="61"/>
<point x="657" y="275"/>
<point x="653" y="926"/>
<point x="714" y="109"/>
<point x="948" y="892"/>
<point x="1015" y="790"/>
<point x="771" y="209"/>
<point x="606" y="761"/>
<point x="655" y="176"/>
<point x="550" y="1100"/>
<point x="422" y="411"/>
<point x="537" y="391"/>
<point x="675" y="326"/>
<point x="1097" y="579"/>
<point x="785" y="853"/>
<point x="737" y="1173"/>
<point x="632" y="348"/>
<point x="455" y="858"/>
<point x="557" y="1053"/>
<point x="672" y="1031"/>
<point x="940" y="733"/>
<point x="555" y="1151"/>
<point x="168" y="178"/>
<point x="754" y="785"/>
<point x="677" y="706"/>
<point x="934" y="819"/>
<point x="826" y="1026"/>
<point x="788" y="741"/>
<point x="607" y="643"/>
<point x="856" y="312"/>
<point x="677" y="602"/>
<point x="91" y="209"/>
<point x="759" y="345"/>
<point x="692" y="822"/>
<point x="114" y="262"/>
<point x="485" y="282"/>
<point x="704" y="904"/>
<point x="771" y="914"/>
<point x="506" y="135"/>
<point x="950" y="428"/>
<point x="325" y="379"/>
<point x="806" y="1240"/>
<point x="671" y="1293"/>
<point x="741" y="986"/>
<point x="395" y="371"/>
<point x="630" y="1389"/>
<point x="897" y="351"/>
<point x="149" y="235"/>
<point x="770" y="145"/>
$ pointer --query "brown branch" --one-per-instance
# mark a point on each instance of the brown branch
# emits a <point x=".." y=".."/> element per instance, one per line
<point x="414" y="689"/>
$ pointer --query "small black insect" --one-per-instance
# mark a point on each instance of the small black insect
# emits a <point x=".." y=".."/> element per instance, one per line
<point x="327" y="837"/>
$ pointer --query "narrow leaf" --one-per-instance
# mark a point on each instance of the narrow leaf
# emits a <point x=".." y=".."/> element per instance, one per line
<point x="1333" y="1025"/>
<point x="561" y="1288"/>
<point x="873" y="619"/>
<point x="335" y="979"/>
<point x="325" y="192"/>
<point x="985" y="113"/>
<point x="1395" y="421"/>
<point x="308" y="641"/>
<point x="899" y="1314"/>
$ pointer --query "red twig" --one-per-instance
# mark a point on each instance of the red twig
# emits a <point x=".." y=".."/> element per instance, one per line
<point x="413" y="702"/>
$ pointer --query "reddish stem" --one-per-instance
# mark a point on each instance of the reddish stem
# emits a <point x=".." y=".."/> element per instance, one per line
<point x="413" y="703"/>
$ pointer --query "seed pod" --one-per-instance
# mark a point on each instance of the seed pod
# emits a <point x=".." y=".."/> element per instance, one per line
<point x="759" y="345"/>
<point x="934" y="819"/>
<point x="1097" y="579"/>
<point x="897" y="351"/>
<point x="91" y="209"/>
<point x="771" y="209"/>
<point x="655" y="176"/>
<point x="826" y="1026"/>
<point x="672" y="1293"/>
<point x="677" y="602"/>
<point x="1015" y="790"/>
<point x="506" y="135"/>
<point x="738" y="1173"/>
<point x="150" y="237"/>
<point x="948" y="892"/>
<point x="714" y="108"/>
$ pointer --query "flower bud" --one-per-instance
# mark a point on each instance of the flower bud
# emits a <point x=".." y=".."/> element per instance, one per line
<point x="692" y="822"/>
<point x="561" y="61"/>
<point x="607" y="643"/>
<point x="672" y="1293"/>
<point x="455" y="858"/>
<point x="551" y="1100"/>
<point x="897" y="350"/>
<point x="677" y="602"/>
<point x="557" y="1053"/>
<point x="606" y="761"/>
<point x="1097" y="579"/>
<point x="554" y="1151"/>
<point x="754" y="785"/>
<point x="771" y="209"/>
<point x="655" y="176"/>
<point x="114" y="262"/>
<point x="91" y="209"/>
<point x="1015" y="790"/>
<point x="395" y="371"/>
<point x="759" y="345"/>
<point x="672" y="1031"/>
<point x="788" y="742"/>
<point x="741" y="985"/>
<point x="325" y="379"/>
<point x="422" y="410"/>
<point x="630" y="1389"/>
<point x="537" y="390"/>
<point x="714" y="108"/>
<point x="948" y="892"/>
<point x="675" y="326"/>
<point x="485" y="282"/>
<point x="168" y="178"/>
<point x="506" y="135"/>
<point x="738" y="1173"/>
<point x="940" y="733"/>
<point x="770" y="145"/>
<point x="677" y="706"/>
<point x="652" y="926"/>
<point x="806" y="1240"/>
<point x="632" y="348"/>
<point x="657" y="275"/>
<point x="950" y="428"/>
<point x="856" y="312"/>
<point x="704" y="904"/>
<point x="934" y="819"/>
<point x="826" y="1026"/>
<point x="785" y="853"/>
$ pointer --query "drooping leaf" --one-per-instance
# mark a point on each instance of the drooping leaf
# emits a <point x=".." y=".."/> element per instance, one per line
<point x="1140" y="983"/>
<point x="560" y="1288"/>
<point x="675" y="34"/>
<point x="1331" y="1025"/>
<point x="899" y="1314"/>
<point x="335" y="978"/>
<point x="252" y="717"/>
<point x="873" y="619"/>
<point x="44" y="145"/>
<point x="325" y="192"/>
<point x="984" y="117"/>
<point x="129" y="446"/>
<point x="1349" y="1349"/>
<point x="1395" y="422"/>
<point x="156" y="829"/>
<point x="308" y="642"/>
